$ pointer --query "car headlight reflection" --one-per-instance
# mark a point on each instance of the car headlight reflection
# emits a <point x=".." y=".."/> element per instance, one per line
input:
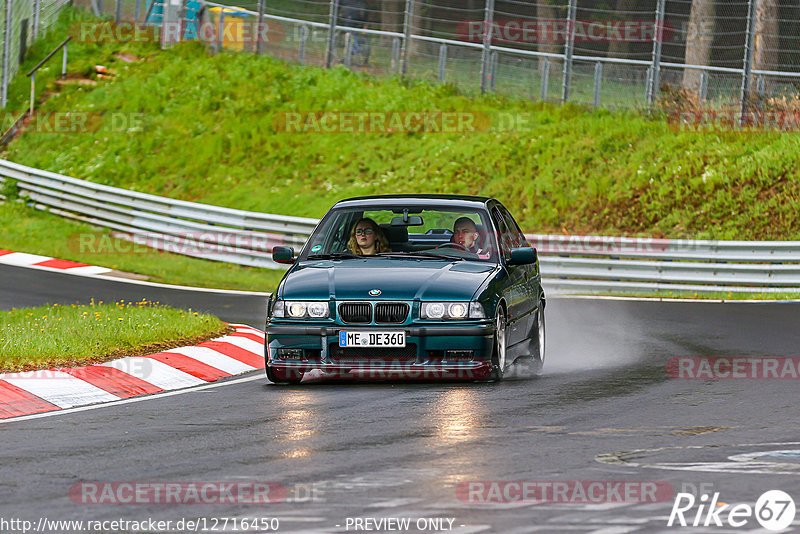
<point x="301" y="310"/>
<point x="451" y="310"/>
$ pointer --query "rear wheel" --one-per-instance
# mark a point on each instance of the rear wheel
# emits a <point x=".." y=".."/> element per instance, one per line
<point x="499" y="353"/>
<point x="538" y="355"/>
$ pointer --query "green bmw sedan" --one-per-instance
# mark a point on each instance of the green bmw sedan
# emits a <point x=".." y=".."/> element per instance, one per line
<point x="421" y="287"/>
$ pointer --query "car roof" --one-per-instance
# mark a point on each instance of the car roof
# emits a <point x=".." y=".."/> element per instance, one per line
<point x="415" y="200"/>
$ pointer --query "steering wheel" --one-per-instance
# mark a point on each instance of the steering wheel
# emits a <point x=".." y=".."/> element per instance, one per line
<point x="455" y="246"/>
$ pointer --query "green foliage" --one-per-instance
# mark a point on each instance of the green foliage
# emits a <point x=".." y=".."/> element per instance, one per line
<point x="80" y="334"/>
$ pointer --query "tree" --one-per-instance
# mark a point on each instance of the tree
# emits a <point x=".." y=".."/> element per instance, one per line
<point x="699" y="38"/>
<point x="767" y="39"/>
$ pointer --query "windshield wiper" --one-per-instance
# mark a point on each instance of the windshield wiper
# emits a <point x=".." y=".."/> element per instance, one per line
<point x="333" y="256"/>
<point x="421" y="254"/>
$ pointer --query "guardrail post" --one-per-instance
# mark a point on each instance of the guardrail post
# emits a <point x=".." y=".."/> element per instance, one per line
<point x="260" y="29"/>
<point x="752" y="5"/>
<point x="396" y="55"/>
<point x="6" y="52"/>
<point x="332" y="16"/>
<point x="37" y="6"/>
<point x="761" y="86"/>
<point x="488" y="21"/>
<point x="658" y="39"/>
<point x="406" y="50"/>
<point x="118" y="12"/>
<point x="568" y="49"/>
<point x="544" y="65"/>
<point x="136" y="10"/>
<point x="442" y="61"/>
<point x="598" y="82"/>
<point x="703" y="86"/>
<point x="64" y="62"/>
<point x="301" y="54"/>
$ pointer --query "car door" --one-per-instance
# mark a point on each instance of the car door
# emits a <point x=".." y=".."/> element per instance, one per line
<point x="532" y="275"/>
<point x="515" y="292"/>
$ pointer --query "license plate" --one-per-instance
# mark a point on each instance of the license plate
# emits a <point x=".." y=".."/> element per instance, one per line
<point x="372" y="339"/>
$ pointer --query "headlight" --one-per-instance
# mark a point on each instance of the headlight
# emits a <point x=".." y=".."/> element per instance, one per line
<point x="451" y="310"/>
<point x="301" y="310"/>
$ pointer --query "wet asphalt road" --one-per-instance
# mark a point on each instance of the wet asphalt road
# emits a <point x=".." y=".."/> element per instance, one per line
<point x="400" y="450"/>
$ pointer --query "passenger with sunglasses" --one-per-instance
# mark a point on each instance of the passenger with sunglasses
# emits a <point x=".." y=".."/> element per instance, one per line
<point x="367" y="239"/>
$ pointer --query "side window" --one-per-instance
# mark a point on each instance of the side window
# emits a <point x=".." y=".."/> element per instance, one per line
<point x="519" y="237"/>
<point x="503" y="234"/>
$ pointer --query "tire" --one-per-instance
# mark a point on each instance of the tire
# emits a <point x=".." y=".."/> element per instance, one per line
<point x="499" y="352"/>
<point x="539" y="353"/>
<point x="281" y="381"/>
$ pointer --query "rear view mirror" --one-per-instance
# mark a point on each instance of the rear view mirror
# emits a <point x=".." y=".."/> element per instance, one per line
<point x="413" y="220"/>
<point x="522" y="256"/>
<point x="283" y="255"/>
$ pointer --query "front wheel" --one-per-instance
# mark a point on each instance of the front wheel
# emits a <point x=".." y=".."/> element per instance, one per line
<point x="499" y="352"/>
<point x="281" y="381"/>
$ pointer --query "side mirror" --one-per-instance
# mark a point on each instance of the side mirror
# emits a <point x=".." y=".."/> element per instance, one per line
<point x="523" y="256"/>
<point x="283" y="255"/>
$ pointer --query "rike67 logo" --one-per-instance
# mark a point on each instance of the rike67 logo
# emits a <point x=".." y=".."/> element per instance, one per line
<point x="774" y="510"/>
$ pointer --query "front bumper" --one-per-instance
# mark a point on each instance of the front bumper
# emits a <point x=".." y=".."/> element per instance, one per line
<point x="449" y="352"/>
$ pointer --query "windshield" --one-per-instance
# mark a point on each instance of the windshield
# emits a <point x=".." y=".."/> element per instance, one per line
<point x="429" y="233"/>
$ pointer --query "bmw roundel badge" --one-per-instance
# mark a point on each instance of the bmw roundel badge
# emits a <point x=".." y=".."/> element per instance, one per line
<point x="374" y="292"/>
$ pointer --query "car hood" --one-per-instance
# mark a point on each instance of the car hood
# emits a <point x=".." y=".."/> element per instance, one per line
<point x="396" y="279"/>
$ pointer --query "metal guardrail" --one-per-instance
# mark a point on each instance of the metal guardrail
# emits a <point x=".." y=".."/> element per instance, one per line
<point x="569" y="263"/>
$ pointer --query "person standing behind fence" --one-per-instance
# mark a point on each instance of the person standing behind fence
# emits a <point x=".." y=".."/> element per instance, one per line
<point x="354" y="13"/>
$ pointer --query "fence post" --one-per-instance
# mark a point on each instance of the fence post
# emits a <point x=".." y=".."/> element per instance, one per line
<point x="568" y="49"/>
<point x="494" y="59"/>
<point x="488" y="21"/>
<point x="442" y="61"/>
<point x="220" y="29"/>
<point x="260" y="29"/>
<point x="6" y="36"/>
<point x="658" y="39"/>
<point x="396" y="54"/>
<point x="118" y="12"/>
<point x="598" y="82"/>
<point x="136" y="10"/>
<point x="301" y="54"/>
<point x="33" y="93"/>
<point x="405" y="52"/>
<point x="37" y="4"/>
<point x="348" y="49"/>
<point x="332" y="16"/>
<point x="748" y="60"/>
<point x="703" y="86"/>
<point x="545" y="65"/>
<point x="100" y="7"/>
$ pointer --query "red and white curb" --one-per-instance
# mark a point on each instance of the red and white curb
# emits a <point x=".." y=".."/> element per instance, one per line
<point x="34" y="261"/>
<point x="56" y="389"/>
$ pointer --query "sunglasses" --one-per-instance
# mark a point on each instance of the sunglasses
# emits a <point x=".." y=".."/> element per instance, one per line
<point x="364" y="231"/>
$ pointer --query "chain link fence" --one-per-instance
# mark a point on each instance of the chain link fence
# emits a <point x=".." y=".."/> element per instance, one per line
<point x="21" y="22"/>
<point x="674" y="54"/>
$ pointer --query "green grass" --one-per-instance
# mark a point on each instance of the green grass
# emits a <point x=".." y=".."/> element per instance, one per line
<point x="29" y="230"/>
<point x="208" y="135"/>
<point x="65" y="336"/>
